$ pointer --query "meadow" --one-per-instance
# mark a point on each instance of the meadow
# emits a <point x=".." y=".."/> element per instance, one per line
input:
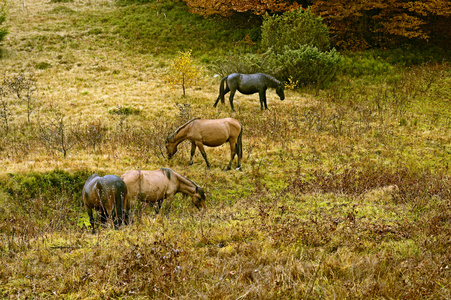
<point x="344" y="193"/>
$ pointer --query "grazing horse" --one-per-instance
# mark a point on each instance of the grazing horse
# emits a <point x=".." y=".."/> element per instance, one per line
<point x="211" y="133"/>
<point x="249" y="84"/>
<point x="106" y="195"/>
<point x="155" y="186"/>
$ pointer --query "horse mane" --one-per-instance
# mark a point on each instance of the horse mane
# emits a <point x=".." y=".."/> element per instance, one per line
<point x="273" y="79"/>
<point x="167" y="172"/>
<point x="180" y="175"/>
<point x="171" y="137"/>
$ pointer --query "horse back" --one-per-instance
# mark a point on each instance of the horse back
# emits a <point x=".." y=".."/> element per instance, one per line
<point x="113" y="185"/>
<point x="211" y="133"/>
<point x="104" y="192"/>
<point x="151" y="185"/>
<point x="250" y="83"/>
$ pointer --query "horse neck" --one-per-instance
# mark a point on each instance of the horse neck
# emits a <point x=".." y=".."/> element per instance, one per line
<point x="272" y="82"/>
<point x="180" y="136"/>
<point x="186" y="186"/>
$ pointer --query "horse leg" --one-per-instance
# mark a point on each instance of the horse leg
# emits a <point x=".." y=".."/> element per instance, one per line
<point x="232" y="94"/>
<point x="126" y="216"/>
<point x="263" y="99"/>
<point x="216" y="102"/>
<point x="232" y="153"/>
<point x="103" y="216"/>
<point x="114" y="217"/>
<point x="239" y="148"/>
<point x="91" y="219"/>
<point x="116" y="211"/>
<point x="225" y="92"/>
<point x="202" y="150"/>
<point x="126" y="210"/>
<point x="193" y="150"/>
<point x="157" y="206"/>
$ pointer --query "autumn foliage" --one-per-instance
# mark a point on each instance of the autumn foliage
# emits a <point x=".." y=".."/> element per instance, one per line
<point x="226" y="8"/>
<point x="183" y="71"/>
<point x="358" y="25"/>
<point x="354" y="25"/>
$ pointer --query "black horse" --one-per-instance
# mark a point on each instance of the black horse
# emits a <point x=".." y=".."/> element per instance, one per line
<point x="106" y="195"/>
<point x="249" y="84"/>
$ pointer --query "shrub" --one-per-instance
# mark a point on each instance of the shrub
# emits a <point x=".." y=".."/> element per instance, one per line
<point x="360" y="65"/>
<point x="295" y="43"/>
<point x="33" y="184"/>
<point x="306" y="65"/>
<point x="294" y="29"/>
<point x="235" y="63"/>
<point x="183" y="71"/>
<point x="124" y="110"/>
<point x="42" y="65"/>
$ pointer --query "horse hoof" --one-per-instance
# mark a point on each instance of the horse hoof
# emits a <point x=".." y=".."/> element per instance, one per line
<point x="238" y="168"/>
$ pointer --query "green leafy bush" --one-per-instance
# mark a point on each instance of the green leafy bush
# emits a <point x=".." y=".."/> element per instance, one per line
<point x="46" y="185"/>
<point x="365" y="65"/>
<point x="239" y="63"/>
<point x="306" y="65"/>
<point x="294" y="29"/>
<point x="297" y="45"/>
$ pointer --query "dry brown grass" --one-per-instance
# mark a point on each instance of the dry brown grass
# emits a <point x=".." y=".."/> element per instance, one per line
<point x="338" y="197"/>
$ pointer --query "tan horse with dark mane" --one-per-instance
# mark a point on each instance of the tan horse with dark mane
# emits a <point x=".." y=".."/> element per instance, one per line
<point x="211" y="133"/>
<point x="155" y="186"/>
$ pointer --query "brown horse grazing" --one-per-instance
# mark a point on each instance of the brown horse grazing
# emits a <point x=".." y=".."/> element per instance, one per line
<point x="210" y="133"/>
<point x="106" y="195"/>
<point x="155" y="186"/>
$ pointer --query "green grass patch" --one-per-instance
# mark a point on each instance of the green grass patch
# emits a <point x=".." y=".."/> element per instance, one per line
<point x="163" y="28"/>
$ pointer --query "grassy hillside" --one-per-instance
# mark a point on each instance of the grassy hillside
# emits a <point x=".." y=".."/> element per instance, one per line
<point x="344" y="192"/>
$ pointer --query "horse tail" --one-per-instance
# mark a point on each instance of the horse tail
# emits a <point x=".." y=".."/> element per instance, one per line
<point x="239" y="144"/>
<point x="222" y="89"/>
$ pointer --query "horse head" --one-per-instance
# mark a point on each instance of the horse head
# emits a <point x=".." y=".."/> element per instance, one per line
<point x="280" y="91"/>
<point x="199" y="198"/>
<point x="171" y="147"/>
